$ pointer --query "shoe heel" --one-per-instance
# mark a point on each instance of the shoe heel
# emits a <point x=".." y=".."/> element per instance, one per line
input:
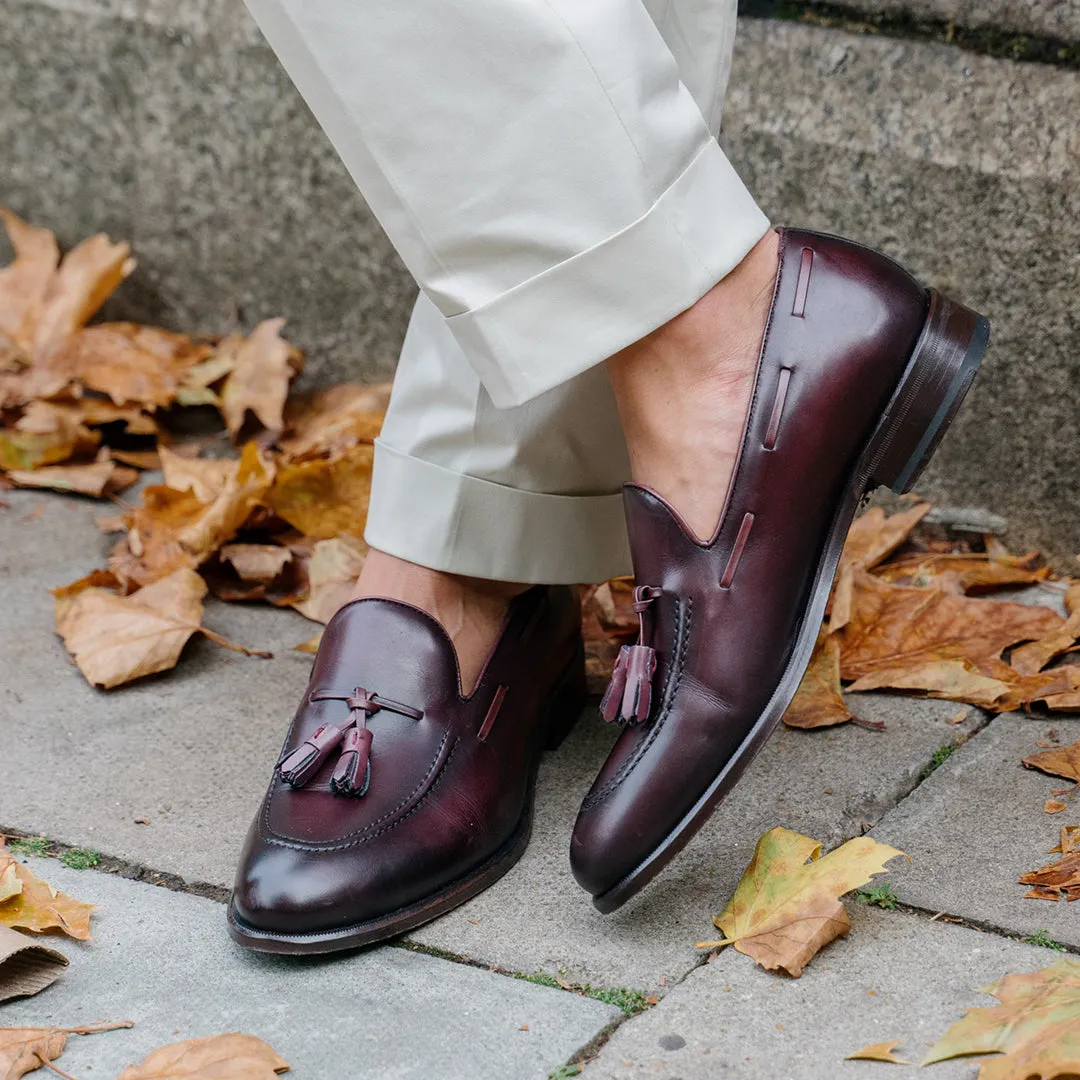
<point x="931" y="391"/>
<point x="568" y="701"/>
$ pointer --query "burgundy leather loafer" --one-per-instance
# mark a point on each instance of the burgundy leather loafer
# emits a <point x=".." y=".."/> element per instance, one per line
<point x="860" y="373"/>
<point x="396" y="798"/>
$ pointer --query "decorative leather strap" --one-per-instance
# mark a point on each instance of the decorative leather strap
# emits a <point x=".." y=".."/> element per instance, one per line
<point x="352" y="776"/>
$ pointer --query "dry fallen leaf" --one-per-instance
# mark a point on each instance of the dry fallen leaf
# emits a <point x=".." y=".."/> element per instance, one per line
<point x="86" y="278"/>
<point x="334" y="420"/>
<point x="92" y="479"/>
<point x="176" y="529"/>
<point x="882" y="1051"/>
<point x="325" y="499"/>
<point x="24" y="282"/>
<point x="115" y="639"/>
<point x="1054" y="806"/>
<point x="332" y="571"/>
<point x="963" y="573"/>
<point x="786" y="908"/>
<point x="1070" y="840"/>
<point x="256" y="562"/>
<point x="22" y="1050"/>
<point x="1037" y="654"/>
<point x="1035" y="1030"/>
<point x="218" y="1057"/>
<point x="895" y="626"/>
<point x="873" y="537"/>
<point x="132" y="364"/>
<point x="818" y="702"/>
<point x="38" y="907"/>
<point x="1057" y="761"/>
<point x="310" y="646"/>
<point x="1056" y="881"/>
<point x="262" y="366"/>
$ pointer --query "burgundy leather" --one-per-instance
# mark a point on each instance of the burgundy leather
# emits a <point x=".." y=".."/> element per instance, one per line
<point x="843" y="325"/>
<point x="446" y="794"/>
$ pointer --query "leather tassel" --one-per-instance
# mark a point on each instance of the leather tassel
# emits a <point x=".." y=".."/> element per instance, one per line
<point x="637" y="690"/>
<point x="303" y="763"/>
<point x="353" y="772"/>
<point x="610" y="704"/>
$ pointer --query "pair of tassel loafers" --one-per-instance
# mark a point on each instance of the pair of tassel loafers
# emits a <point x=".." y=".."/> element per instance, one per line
<point x="397" y="797"/>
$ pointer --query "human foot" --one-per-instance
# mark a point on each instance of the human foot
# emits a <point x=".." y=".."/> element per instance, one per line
<point x="683" y="391"/>
<point x="394" y="799"/>
<point x="470" y="610"/>
<point x="860" y="375"/>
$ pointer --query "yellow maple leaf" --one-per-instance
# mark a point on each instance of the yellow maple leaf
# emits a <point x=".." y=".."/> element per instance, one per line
<point x="786" y="908"/>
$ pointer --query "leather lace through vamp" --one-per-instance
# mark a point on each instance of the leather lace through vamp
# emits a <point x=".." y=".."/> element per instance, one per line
<point x="352" y="774"/>
<point x="629" y="694"/>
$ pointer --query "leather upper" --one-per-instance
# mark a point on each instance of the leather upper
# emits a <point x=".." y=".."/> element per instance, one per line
<point x="844" y="321"/>
<point x="445" y="791"/>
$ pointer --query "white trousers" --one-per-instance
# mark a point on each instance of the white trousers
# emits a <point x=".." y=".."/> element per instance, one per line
<point x="548" y="171"/>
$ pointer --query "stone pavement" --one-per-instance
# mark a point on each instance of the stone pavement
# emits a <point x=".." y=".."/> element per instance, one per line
<point x="81" y="766"/>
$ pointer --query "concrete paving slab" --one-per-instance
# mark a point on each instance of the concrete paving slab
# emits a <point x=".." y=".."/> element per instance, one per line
<point x="82" y="766"/>
<point x="978" y="823"/>
<point x="831" y="785"/>
<point x="895" y="977"/>
<point x="160" y="958"/>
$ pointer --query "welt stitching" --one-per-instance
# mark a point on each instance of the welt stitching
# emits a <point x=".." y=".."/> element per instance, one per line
<point x="669" y="700"/>
<point x="390" y="813"/>
<point x="384" y="829"/>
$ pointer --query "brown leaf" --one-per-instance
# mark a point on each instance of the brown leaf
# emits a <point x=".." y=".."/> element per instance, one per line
<point x="39" y="907"/>
<point x="130" y="363"/>
<point x="1033" y="1032"/>
<point x="263" y="365"/>
<point x="1054" y="806"/>
<point x="963" y="573"/>
<point x="873" y="537"/>
<point x="1037" y="654"/>
<point x="332" y="421"/>
<point x="26" y="966"/>
<point x="818" y="702"/>
<point x="1058" y="761"/>
<point x="895" y="627"/>
<point x="22" y="1050"/>
<point x="24" y="282"/>
<point x="332" y="571"/>
<point x="92" y="479"/>
<point x="256" y="562"/>
<point x="176" y="529"/>
<point x="785" y="908"/>
<point x="144" y="460"/>
<point x="96" y="579"/>
<point x="1070" y="840"/>
<point x="882" y="1051"/>
<point x="115" y="639"/>
<point x="325" y="499"/>
<point x="218" y="1057"/>
<point x="86" y="278"/>
<point x="44" y="435"/>
<point x="206" y="478"/>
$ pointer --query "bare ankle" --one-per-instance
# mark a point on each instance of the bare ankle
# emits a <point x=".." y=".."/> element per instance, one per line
<point x="683" y="391"/>
<point x="470" y="610"/>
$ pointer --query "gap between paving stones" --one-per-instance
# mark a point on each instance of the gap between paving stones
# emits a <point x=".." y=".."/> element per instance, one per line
<point x="991" y="41"/>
